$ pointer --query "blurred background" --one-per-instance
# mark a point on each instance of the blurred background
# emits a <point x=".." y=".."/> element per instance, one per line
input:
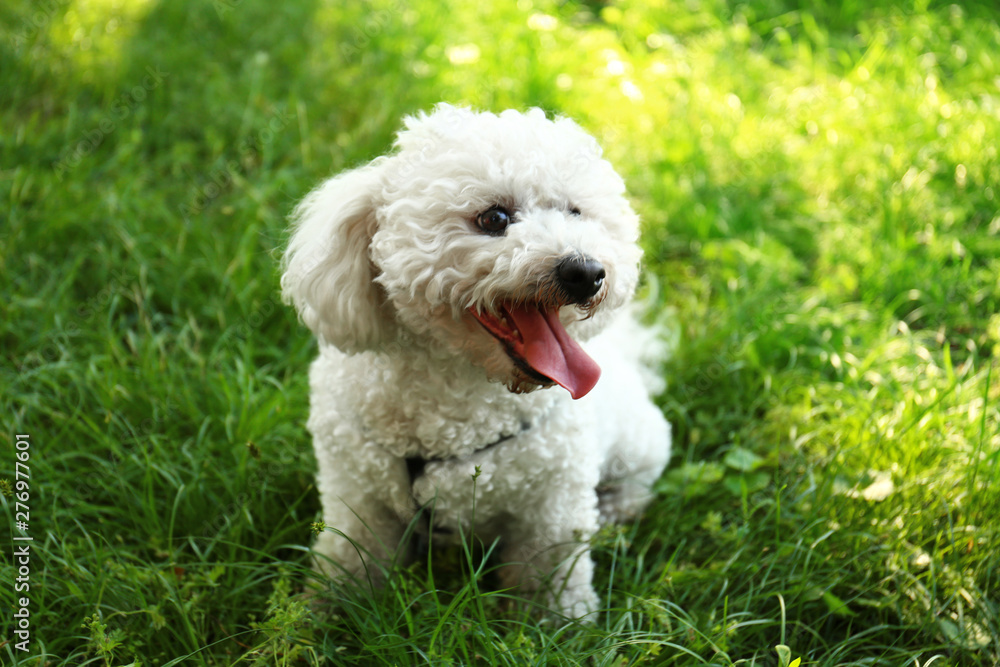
<point x="818" y="184"/>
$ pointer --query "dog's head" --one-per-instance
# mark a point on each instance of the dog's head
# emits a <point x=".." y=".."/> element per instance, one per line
<point x="502" y="238"/>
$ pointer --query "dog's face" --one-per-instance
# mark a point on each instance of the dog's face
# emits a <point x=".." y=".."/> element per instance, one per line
<point x="502" y="238"/>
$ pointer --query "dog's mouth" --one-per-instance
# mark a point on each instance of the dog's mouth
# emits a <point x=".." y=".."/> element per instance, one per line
<point x="540" y="345"/>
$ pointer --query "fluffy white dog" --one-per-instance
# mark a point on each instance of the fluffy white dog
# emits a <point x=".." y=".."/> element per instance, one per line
<point x="489" y="257"/>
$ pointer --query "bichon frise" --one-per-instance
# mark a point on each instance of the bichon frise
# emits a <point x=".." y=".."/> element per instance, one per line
<point x="469" y="295"/>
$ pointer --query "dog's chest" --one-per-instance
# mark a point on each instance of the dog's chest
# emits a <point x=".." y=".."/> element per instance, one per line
<point x="439" y="413"/>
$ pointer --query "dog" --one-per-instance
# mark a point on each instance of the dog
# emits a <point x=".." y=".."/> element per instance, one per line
<point x="477" y="352"/>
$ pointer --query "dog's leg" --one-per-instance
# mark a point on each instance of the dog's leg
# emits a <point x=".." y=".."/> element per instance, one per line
<point x="551" y="553"/>
<point x="366" y="504"/>
<point x="633" y="464"/>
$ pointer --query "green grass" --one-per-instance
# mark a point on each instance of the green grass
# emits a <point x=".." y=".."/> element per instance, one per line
<point x="819" y="187"/>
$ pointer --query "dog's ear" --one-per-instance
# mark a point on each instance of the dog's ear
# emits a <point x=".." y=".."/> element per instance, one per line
<point x="327" y="270"/>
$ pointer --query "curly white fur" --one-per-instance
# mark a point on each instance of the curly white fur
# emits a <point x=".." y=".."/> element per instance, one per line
<point x="387" y="266"/>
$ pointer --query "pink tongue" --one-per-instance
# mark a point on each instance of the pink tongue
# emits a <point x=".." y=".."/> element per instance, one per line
<point x="549" y="349"/>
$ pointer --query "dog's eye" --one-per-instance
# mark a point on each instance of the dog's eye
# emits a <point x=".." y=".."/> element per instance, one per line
<point x="494" y="220"/>
<point x="574" y="211"/>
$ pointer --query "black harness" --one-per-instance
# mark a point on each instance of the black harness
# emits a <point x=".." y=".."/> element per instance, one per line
<point x="415" y="465"/>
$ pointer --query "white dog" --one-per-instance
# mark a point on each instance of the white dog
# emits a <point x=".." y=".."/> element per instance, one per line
<point x="447" y="283"/>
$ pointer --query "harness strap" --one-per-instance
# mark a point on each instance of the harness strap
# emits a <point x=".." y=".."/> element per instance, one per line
<point x="415" y="464"/>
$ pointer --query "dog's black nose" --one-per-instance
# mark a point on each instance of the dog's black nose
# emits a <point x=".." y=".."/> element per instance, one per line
<point x="580" y="277"/>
